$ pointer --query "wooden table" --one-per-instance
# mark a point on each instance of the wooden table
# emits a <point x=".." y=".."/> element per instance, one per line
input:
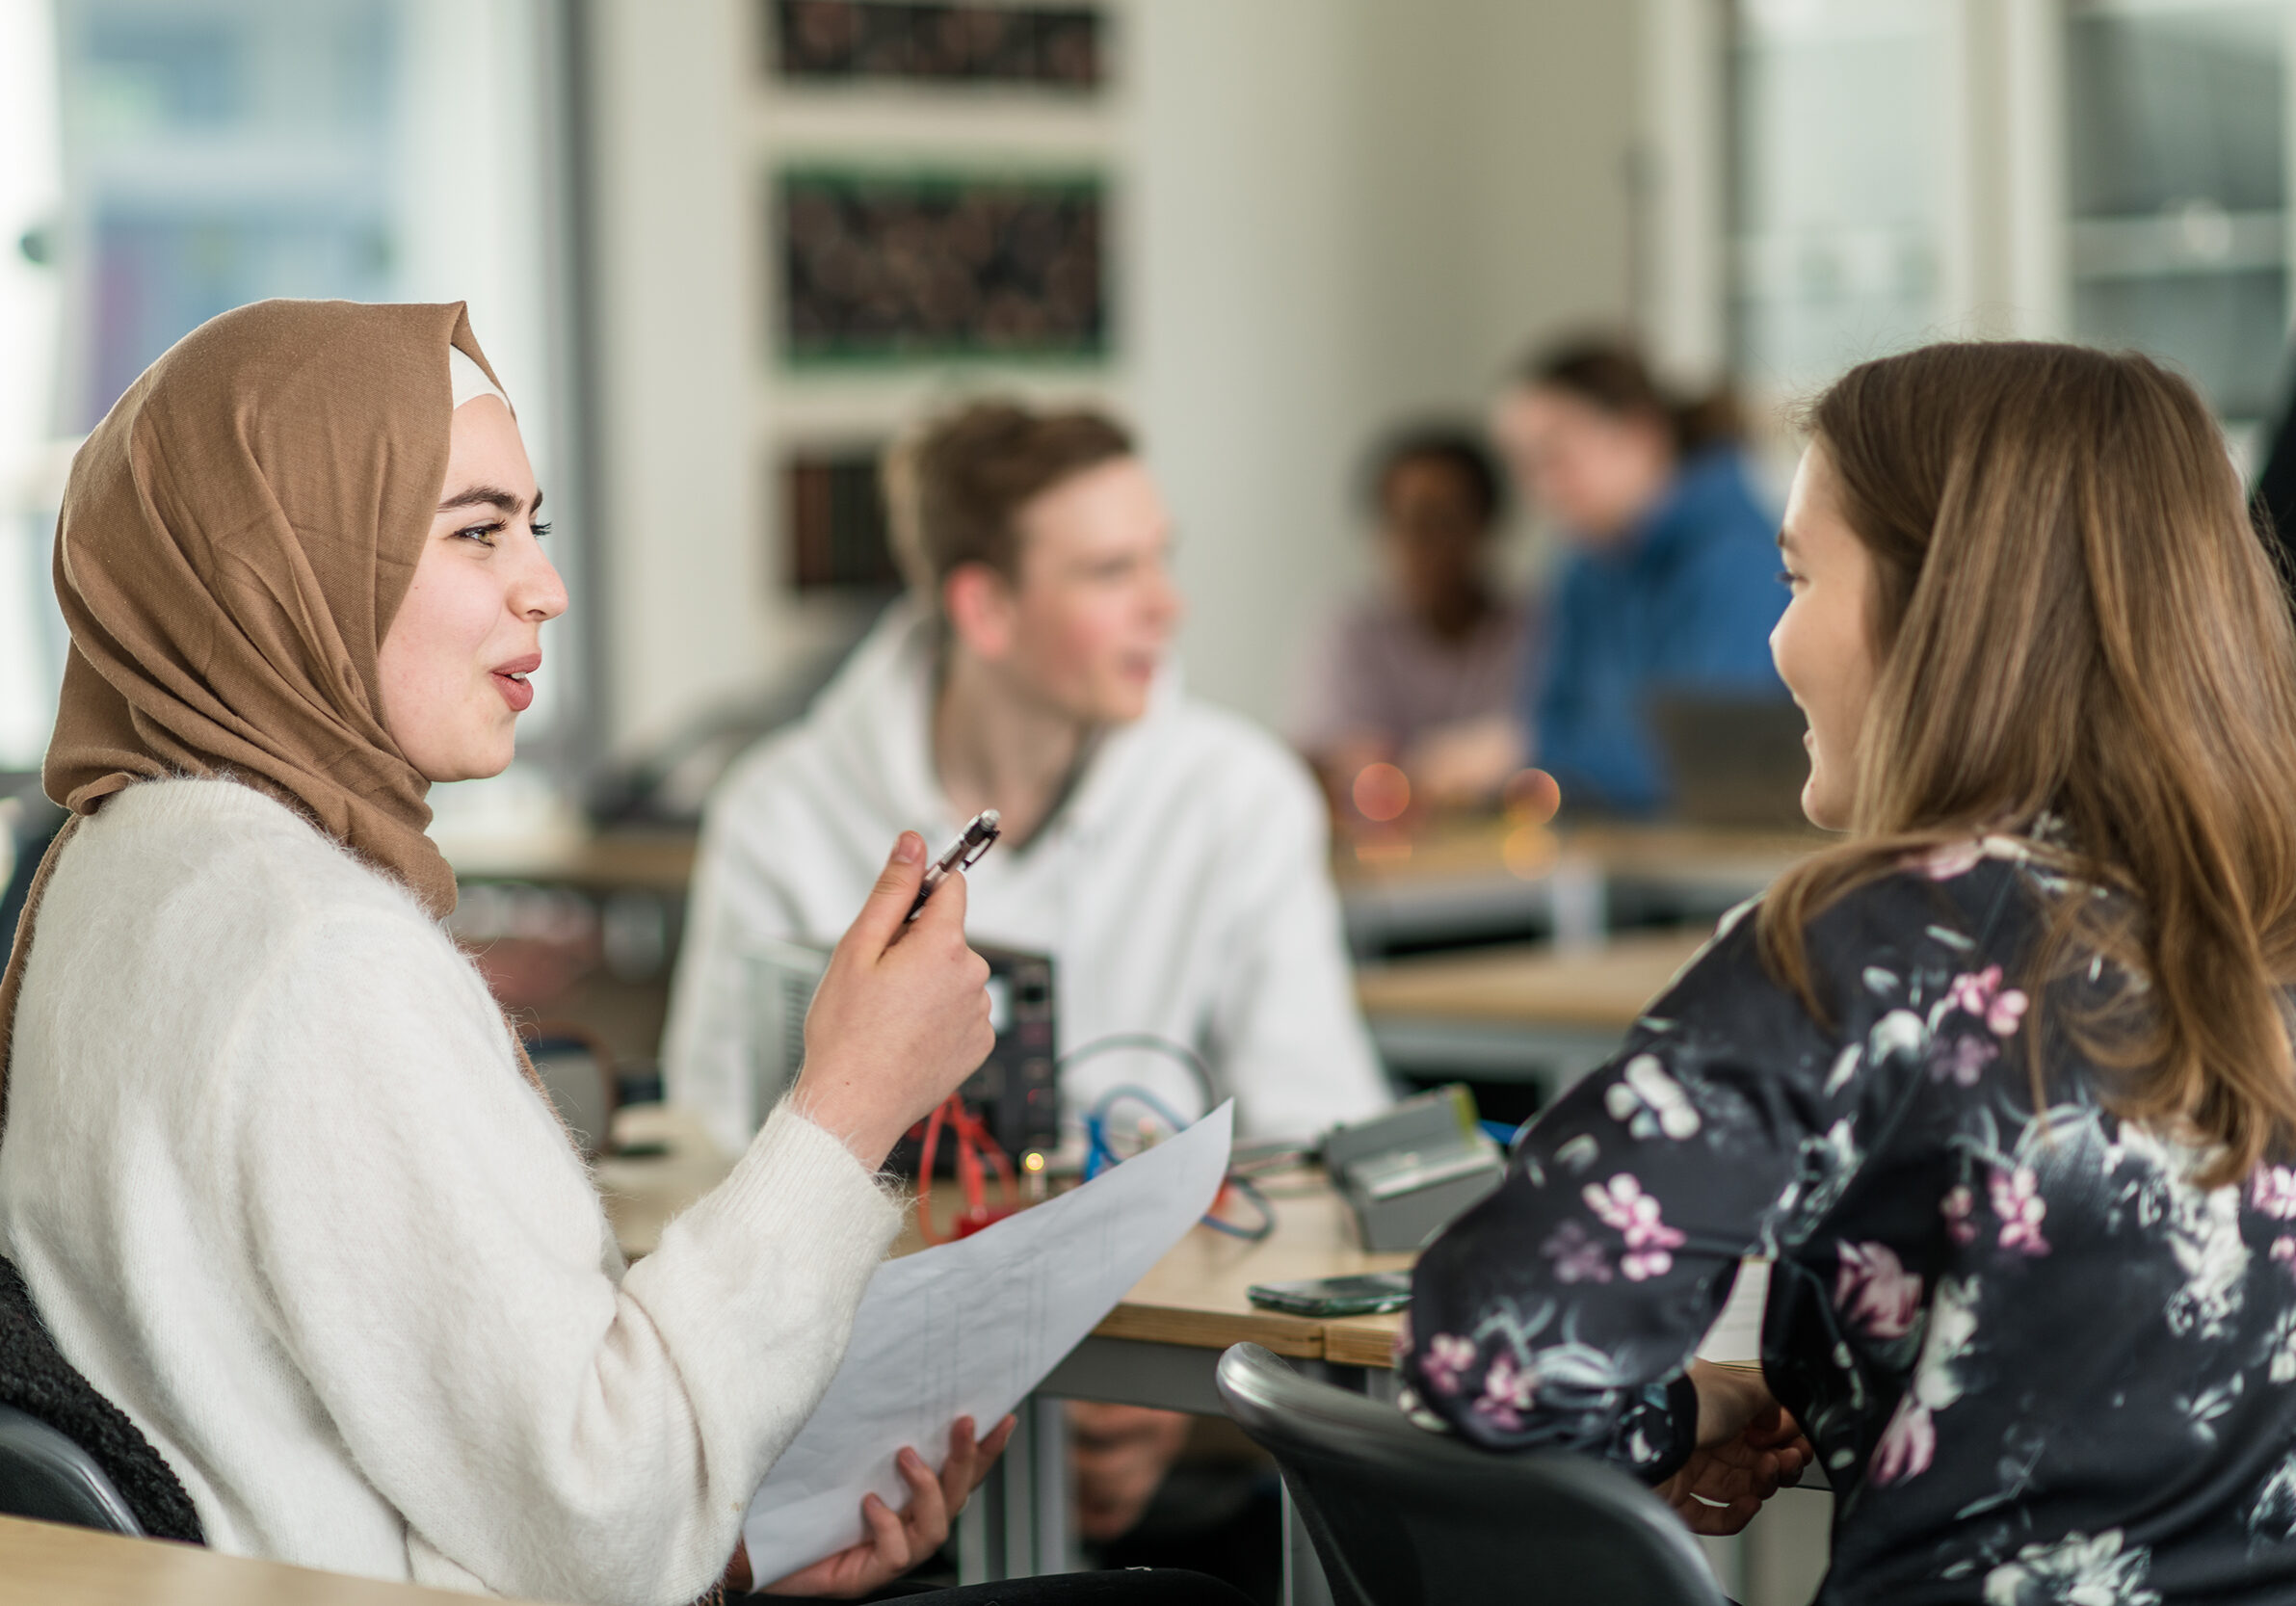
<point x="1194" y="1300"/>
<point x="1473" y="879"/>
<point x="1530" y="1012"/>
<point x="1160" y="1346"/>
<point x="1195" y="1297"/>
<point x="628" y="859"/>
<point x="44" y="1565"/>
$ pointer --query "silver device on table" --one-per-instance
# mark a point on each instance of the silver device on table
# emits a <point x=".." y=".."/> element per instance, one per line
<point x="1409" y="1173"/>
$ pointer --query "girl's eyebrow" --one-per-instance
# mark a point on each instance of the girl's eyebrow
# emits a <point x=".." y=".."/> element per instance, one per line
<point x="494" y="496"/>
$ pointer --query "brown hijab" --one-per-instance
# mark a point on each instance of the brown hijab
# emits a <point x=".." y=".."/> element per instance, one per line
<point x="236" y="538"/>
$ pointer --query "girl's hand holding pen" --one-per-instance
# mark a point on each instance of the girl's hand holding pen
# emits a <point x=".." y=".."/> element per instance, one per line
<point x="901" y="1017"/>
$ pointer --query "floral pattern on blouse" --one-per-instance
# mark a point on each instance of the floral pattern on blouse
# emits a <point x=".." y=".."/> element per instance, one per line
<point x="2039" y="1362"/>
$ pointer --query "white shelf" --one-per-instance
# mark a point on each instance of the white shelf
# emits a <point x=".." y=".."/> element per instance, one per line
<point x="2196" y="239"/>
<point x="939" y="125"/>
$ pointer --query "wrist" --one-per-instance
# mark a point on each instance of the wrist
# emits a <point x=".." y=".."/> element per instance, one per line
<point x="1728" y="1400"/>
<point x="838" y="1109"/>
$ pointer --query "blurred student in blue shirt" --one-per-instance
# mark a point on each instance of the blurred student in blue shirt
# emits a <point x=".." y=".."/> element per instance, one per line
<point x="1671" y="577"/>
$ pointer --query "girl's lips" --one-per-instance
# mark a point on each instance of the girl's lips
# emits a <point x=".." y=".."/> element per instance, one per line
<point x="515" y="689"/>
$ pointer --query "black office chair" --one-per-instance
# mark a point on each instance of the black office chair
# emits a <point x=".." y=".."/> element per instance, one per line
<point x="66" y="1453"/>
<point x="1401" y="1517"/>
<point x="48" y="1478"/>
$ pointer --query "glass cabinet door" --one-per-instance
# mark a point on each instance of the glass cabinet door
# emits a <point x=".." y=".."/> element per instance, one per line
<point x="2177" y="173"/>
<point x="218" y="152"/>
<point x="1836" y="183"/>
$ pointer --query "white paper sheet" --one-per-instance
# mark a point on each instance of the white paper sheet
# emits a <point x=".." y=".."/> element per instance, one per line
<point x="967" y="1329"/>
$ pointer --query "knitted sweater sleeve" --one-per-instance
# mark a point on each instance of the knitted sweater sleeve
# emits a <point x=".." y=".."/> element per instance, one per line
<point x="432" y="1254"/>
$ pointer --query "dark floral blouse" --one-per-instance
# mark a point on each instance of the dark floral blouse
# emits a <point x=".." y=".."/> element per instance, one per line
<point x="2039" y="1363"/>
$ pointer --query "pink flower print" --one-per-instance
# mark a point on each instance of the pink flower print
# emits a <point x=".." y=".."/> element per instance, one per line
<point x="1576" y="1256"/>
<point x="2008" y="1010"/>
<point x="1980" y="993"/>
<point x="1957" y="1207"/>
<point x="1965" y="1060"/>
<point x="1908" y="1444"/>
<point x="2273" y="1191"/>
<point x="2017" y="1201"/>
<point x="1947" y="860"/>
<point x="1447" y="1356"/>
<point x="1873" y="1290"/>
<point x="1650" y="1241"/>
<point x="1506" y="1392"/>
<point x="2283" y="1251"/>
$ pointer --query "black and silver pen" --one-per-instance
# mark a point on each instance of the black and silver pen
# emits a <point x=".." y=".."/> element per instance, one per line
<point x="974" y="840"/>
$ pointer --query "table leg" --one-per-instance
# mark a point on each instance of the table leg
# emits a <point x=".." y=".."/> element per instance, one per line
<point x="975" y="1562"/>
<point x="1017" y="1509"/>
<point x="1578" y="903"/>
<point x="1017" y="1524"/>
<point x="1057" y="1548"/>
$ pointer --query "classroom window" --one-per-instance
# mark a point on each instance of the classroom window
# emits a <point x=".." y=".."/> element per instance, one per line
<point x="183" y="157"/>
<point x="2176" y="139"/>
<point x="1835" y="186"/>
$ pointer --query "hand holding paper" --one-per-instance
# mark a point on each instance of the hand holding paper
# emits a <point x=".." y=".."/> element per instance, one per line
<point x="899" y="1541"/>
<point x="968" y="1330"/>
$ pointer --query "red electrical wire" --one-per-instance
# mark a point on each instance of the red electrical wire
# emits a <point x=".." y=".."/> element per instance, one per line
<point x="975" y="1144"/>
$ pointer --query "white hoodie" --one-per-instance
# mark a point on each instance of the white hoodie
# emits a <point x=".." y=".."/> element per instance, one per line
<point x="1181" y="890"/>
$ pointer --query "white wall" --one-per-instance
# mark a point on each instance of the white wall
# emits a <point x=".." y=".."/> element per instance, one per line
<point x="1353" y="212"/>
<point x="1338" y="212"/>
<point x="684" y="592"/>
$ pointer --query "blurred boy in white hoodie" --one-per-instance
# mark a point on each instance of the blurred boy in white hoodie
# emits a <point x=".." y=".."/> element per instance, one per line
<point x="1170" y="855"/>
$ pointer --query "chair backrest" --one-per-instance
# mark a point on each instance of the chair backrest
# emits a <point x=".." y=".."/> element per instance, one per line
<point x="66" y="1451"/>
<point x="47" y="1477"/>
<point x="1402" y="1517"/>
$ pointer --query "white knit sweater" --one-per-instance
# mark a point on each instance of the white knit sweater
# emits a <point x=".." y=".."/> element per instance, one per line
<point x="279" y="1191"/>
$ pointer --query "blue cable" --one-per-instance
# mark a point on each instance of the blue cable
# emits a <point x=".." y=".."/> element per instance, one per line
<point x="1099" y="1154"/>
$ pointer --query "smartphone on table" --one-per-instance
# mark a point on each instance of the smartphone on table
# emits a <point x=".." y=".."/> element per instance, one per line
<point x="1365" y="1294"/>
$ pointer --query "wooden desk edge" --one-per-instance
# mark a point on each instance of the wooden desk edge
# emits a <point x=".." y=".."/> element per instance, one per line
<point x="50" y="1564"/>
<point x="1299" y="1337"/>
<point x="1363" y="1341"/>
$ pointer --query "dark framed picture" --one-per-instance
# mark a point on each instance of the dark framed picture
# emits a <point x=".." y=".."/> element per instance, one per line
<point x="1055" y="47"/>
<point x="836" y="535"/>
<point x="879" y="267"/>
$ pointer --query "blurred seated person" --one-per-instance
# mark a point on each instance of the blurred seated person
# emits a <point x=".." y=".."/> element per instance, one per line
<point x="1170" y="855"/>
<point x="1422" y="673"/>
<point x="1670" y="577"/>
<point x="1167" y="854"/>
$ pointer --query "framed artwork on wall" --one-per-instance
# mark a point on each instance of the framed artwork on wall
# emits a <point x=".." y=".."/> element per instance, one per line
<point x="835" y="533"/>
<point x="881" y="267"/>
<point x="1053" y="47"/>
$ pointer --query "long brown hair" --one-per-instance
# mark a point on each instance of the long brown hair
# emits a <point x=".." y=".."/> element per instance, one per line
<point x="2074" y="614"/>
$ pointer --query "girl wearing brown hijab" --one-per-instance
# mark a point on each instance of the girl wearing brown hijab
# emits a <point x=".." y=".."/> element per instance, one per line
<point x="272" y="1166"/>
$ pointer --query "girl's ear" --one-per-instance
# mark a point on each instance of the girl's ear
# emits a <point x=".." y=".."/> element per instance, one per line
<point x="981" y="610"/>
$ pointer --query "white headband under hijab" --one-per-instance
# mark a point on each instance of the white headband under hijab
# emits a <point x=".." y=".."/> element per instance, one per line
<point x="470" y="380"/>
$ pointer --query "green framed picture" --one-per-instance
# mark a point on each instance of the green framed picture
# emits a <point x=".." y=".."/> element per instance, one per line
<point x="879" y="267"/>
